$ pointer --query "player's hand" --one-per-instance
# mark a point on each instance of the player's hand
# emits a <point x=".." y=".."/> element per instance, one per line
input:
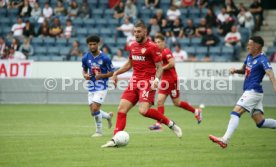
<point x="114" y="79"/>
<point x="232" y="70"/>
<point x="86" y="76"/>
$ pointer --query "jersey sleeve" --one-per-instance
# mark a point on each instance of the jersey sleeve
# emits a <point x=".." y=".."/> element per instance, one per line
<point x="84" y="60"/>
<point x="109" y="65"/>
<point x="156" y="54"/>
<point x="245" y="61"/>
<point x="168" y="55"/>
<point x="266" y="65"/>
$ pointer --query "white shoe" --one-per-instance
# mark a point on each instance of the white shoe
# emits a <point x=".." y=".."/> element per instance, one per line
<point x="109" y="120"/>
<point x="110" y="143"/>
<point x="97" y="134"/>
<point x="177" y="130"/>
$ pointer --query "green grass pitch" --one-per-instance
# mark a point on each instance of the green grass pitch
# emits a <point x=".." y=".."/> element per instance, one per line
<point x="59" y="135"/>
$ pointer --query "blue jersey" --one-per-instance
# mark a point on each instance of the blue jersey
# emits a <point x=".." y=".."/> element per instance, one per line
<point x="254" y="72"/>
<point x="99" y="64"/>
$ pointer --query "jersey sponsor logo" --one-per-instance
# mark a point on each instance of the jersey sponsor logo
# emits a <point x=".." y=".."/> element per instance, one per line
<point x="138" y="58"/>
<point x="143" y="50"/>
<point x="247" y="72"/>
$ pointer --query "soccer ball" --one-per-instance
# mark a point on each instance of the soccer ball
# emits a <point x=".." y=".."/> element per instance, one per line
<point x="121" y="138"/>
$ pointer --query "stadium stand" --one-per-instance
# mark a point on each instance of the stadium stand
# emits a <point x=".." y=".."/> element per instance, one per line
<point x="101" y="22"/>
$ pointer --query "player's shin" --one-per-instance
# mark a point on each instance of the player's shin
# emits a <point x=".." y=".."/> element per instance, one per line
<point x="186" y="106"/>
<point x="120" y="122"/>
<point x="154" y="114"/>
<point x="98" y="118"/>
<point x="161" y="110"/>
<point x="232" y="125"/>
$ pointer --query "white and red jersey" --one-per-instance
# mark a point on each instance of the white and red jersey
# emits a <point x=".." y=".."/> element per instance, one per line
<point x="170" y="74"/>
<point x="143" y="57"/>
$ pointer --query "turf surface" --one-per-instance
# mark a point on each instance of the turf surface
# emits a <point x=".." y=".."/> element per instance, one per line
<point x="59" y="135"/>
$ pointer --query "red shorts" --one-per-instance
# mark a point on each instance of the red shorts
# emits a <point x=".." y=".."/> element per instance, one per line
<point x="169" y="88"/>
<point x="138" y="92"/>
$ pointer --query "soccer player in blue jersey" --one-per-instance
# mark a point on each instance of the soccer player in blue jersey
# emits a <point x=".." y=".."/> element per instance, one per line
<point x="254" y="68"/>
<point x="97" y="68"/>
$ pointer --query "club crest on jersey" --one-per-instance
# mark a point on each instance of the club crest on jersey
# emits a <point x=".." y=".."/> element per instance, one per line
<point x="100" y="62"/>
<point x="255" y="61"/>
<point x="143" y="50"/>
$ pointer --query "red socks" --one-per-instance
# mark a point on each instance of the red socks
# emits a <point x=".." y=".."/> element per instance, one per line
<point x="120" y="122"/>
<point x="154" y="114"/>
<point x="161" y="109"/>
<point x="186" y="106"/>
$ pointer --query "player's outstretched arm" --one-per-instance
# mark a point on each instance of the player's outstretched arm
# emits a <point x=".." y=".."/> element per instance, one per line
<point x="170" y="64"/>
<point x="127" y="66"/>
<point x="237" y="71"/>
<point x="271" y="76"/>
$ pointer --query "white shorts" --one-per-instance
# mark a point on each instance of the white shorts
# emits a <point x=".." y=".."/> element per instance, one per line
<point x="97" y="97"/>
<point x="251" y="101"/>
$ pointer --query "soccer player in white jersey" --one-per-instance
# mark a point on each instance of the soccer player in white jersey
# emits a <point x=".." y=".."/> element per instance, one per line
<point x="254" y="68"/>
<point x="97" y="68"/>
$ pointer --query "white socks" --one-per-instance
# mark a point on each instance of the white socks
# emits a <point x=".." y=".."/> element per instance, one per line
<point x="98" y="118"/>
<point x="105" y="115"/>
<point x="232" y="125"/>
<point x="268" y="123"/>
<point x="171" y="123"/>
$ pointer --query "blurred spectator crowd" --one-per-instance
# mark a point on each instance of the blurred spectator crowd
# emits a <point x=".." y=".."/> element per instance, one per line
<point x="196" y="30"/>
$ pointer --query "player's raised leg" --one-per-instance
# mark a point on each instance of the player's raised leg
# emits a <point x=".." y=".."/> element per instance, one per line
<point x="108" y="116"/>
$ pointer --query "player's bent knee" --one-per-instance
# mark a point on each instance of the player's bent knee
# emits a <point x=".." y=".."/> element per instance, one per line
<point x="142" y="111"/>
<point x="94" y="109"/>
<point x="176" y="103"/>
<point x="260" y="124"/>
